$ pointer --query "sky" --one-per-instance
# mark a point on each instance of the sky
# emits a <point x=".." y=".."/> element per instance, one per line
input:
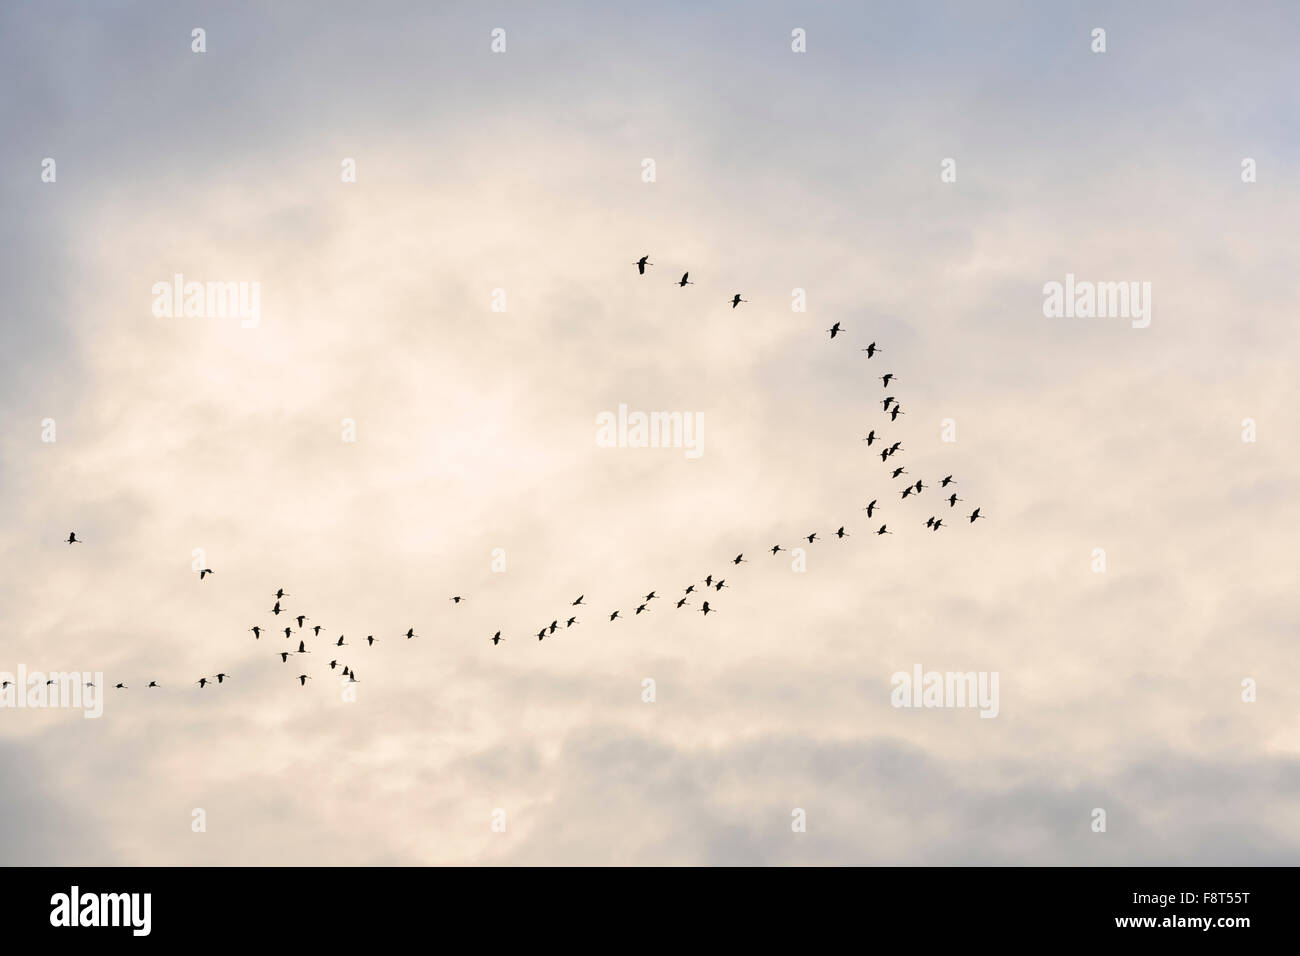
<point x="382" y="439"/>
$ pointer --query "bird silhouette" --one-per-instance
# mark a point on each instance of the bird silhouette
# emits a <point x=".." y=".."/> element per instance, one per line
<point x="281" y="593"/>
<point x="953" y="499"/>
<point x="887" y="378"/>
<point x="257" y="632"/>
<point x="684" y="282"/>
<point x="496" y="638"/>
<point x="410" y="633"/>
<point x="812" y="537"/>
<point x="284" y="656"/>
<point x="835" y="330"/>
<point x="205" y="572"/>
<point x="898" y="471"/>
<point x="642" y="263"/>
<point x="203" y="682"/>
<point x="976" y="514"/>
<point x="302" y="679"/>
<point x="872" y="349"/>
<point x="841" y="533"/>
<point x="736" y="300"/>
<point x="152" y="683"/>
<point x="884" y="530"/>
<point x="72" y="538"/>
<point x="705" y="609"/>
<point x="739" y="559"/>
<point x="614" y="615"/>
<point x="871" y="437"/>
<point x="579" y="601"/>
<point x="776" y="548"/>
<point x="302" y="648"/>
<point x="681" y="603"/>
<point x="640" y="608"/>
<point x="898" y="410"/>
<point x="946" y="482"/>
<point x="457" y="599"/>
<point x="370" y="640"/>
<point x="570" y="622"/>
<point x="301" y="618"/>
<point x="870" y="508"/>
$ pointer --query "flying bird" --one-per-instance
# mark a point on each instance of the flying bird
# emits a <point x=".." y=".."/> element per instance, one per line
<point x="257" y="632"/>
<point x="496" y="638"/>
<point x="457" y="599"/>
<point x="776" y="548"/>
<point x="887" y="378"/>
<point x="302" y="679"/>
<point x="976" y="514"/>
<point x="72" y="538"/>
<point x="871" y="436"/>
<point x="872" y="349"/>
<point x="841" y="533"/>
<point x="570" y="622"/>
<point x="953" y="499"/>
<point x="705" y="609"/>
<point x="835" y="330"/>
<point x="884" y="530"/>
<point x="281" y="593"/>
<point x="870" y="508"/>
<point x="946" y="482"/>
<point x="614" y="615"/>
<point x="301" y="618"/>
<point x="642" y="263"/>
<point x="738" y="559"/>
<point x="684" y="282"/>
<point x="579" y="601"/>
<point x="812" y="537"/>
<point x="736" y="300"/>
<point x="205" y="572"/>
<point x="898" y="410"/>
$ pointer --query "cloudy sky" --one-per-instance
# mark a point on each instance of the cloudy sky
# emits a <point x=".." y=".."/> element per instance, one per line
<point x="1119" y="689"/>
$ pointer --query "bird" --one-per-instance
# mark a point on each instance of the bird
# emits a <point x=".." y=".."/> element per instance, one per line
<point x="650" y="597"/>
<point x="284" y="657"/>
<point x="457" y="599"/>
<point x="708" y="582"/>
<point x="287" y="632"/>
<point x="276" y="610"/>
<point x="681" y="603"/>
<point x="870" y="508"/>
<point x="334" y="664"/>
<point x="302" y="679"/>
<point x="776" y="548"/>
<point x="841" y="533"/>
<point x="872" y="349"/>
<point x="257" y="632"/>
<point x="884" y="530"/>
<point x="738" y="559"/>
<point x="953" y="499"/>
<point x="554" y="625"/>
<point x="705" y="609"/>
<point x="976" y="514"/>
<point x="614" y="615"/>
<point x="541" y="635"/>
<point x="920" y="486"/>
<point x="579" y="601"/>
<point x="281" y="593"/>
<point x="316" y="629"/>
<point x="301" y="618"/>
<point x="496" y="638"/>
<point x="642" y="263"/>
<point x="946" y="482"/>
<point x="684" y="282"/>
<point x="907" y="491"/>
<point x="898" y="410"/>
<point x="120" y="687"/>
<point x="871" y="437"/>
<point x="689" y="589"/>
<point x="884" y="454"/>
<point x="302" y="648"/>
<point x="221" y="677"/>
<point x="812" y="537"/>
<point x="895" y="447"/>
<point x="370" y="639"/>
<point x="720" y="585"/>
<point x="410" y="633"/>
<point x="889" y="399"/>
<point x="736" y="300"/>
<point x="640" y="608"/>
<point x="835" y="330"/>
<point x="205" y="572"/>
<point x="938" y="523"/>
<point x="152" y="683"/>
<point x="898" y="471"/>
<point x="341" y="642"/>
<point x="887" y="378"/>
<point x="203" y="682"/>
<point x="929" y="522"/>
<point x="72" y="538"/>
<point x="570" y="622"/>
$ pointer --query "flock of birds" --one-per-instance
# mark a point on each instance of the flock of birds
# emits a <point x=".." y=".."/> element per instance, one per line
<point x="890" y="407"/>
